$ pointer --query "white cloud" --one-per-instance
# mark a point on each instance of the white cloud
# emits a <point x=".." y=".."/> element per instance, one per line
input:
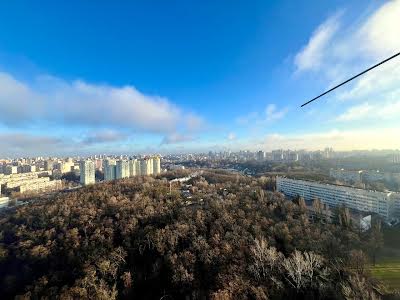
<point x="370" y="138"/>
<point x="194" y="123"/>
<point x="356" y="112"/>
<point x="55" y="101"/>
<point x="380" y="33"/>
<point x="344" y="49"/>
<point x="272" y="113"/>
<point x="175" y="138"/>
<point x="366" y="110"/>
<point x="231" y="136"/>
<point x="312" y="54"/>
<point x="18" y="143"/>
<point x="337" y="49"/>
<point x="103" y="136"/>
<point x="244" y="120"/>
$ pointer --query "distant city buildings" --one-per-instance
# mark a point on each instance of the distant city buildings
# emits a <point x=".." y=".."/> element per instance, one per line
<point x="11" y="170"/>
<point x="346" y="176"/>
<point x="363" y="176"/>
<point x="386" y="204"/>
<point x="396" y="158"/>
<point x="260" y="155"/>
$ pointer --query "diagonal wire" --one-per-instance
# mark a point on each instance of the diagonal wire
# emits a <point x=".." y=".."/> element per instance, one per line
<point x="350" y="79"/>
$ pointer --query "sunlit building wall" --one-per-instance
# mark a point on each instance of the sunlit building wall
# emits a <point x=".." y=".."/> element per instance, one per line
<point x="386" y="204"/>
<point x="87" y="172"/>
<point x="109" y="169"/>
<point x="156" y="165"/>
<point x="122" y="169"/>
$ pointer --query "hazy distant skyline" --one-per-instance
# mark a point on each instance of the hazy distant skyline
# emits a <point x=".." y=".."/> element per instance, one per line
<point x="196" y="76"/>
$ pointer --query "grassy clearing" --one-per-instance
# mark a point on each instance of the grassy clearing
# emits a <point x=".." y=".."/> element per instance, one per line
<point x="387" y="268"/>
<point x="389" y="273"/>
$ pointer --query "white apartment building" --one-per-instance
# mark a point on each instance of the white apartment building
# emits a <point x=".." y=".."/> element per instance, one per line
<point x="64" y="167"/>
<point x="25" y="181"/>
<point x="146" y="166"/>
<point x="87" y="172"/>
<point x="109" y="169"/>
<point x="41" y="186"/>
<point x="386" y="204"/>
<point x="122" y="169"/>
<point x="134" y="167"/>
<point x="156" y="165"/>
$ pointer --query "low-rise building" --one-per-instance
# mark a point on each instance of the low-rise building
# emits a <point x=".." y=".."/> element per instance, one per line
<point x="40" y="186"/>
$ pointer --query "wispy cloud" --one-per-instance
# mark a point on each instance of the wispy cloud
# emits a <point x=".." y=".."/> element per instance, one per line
<point x="367" y="138"/>
<point x="19" y="143"/>
<point x="175" y="138"/>
<point x="231" y="136"/>
<point x="380" y="111"/>
<point x="103" y="136"/>
<point x="312" y="54"/>
<point x="271" y="114"/>
<point x="339" y="48"/>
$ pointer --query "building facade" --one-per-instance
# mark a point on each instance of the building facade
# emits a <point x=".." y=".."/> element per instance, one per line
<point x="109" y="169"/>
<point x="156" y="165"/>
<point x="146" y="166"/>
<point x="122" y="169"/>
<point x="386" y="204"/>
<point x="87" y="171"/>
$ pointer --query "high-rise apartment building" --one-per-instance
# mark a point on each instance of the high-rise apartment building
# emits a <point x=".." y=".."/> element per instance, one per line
<point x="260" y="155"/>
<point x="156" y="165"/>
<point x="134" y="167"/>
<point x="146" y="166"/>
<point x="87" y="171"/>
<point x="122" y="169"/>
<point x="109" y="169"/>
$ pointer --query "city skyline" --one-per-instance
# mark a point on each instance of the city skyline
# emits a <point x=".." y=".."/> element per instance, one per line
<point x="180" y="78"/>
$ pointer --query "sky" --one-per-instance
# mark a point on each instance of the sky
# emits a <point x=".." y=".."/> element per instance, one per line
<point x="90" y="77"/>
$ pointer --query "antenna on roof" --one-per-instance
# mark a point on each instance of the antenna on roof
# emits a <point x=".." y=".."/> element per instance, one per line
<point x="350" y="79"/>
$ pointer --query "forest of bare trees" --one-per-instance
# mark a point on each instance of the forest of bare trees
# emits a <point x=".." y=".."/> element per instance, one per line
<point x="134" y="239"/>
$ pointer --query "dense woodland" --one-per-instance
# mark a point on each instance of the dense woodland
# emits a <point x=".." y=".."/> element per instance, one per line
<point x="134" y="239"/>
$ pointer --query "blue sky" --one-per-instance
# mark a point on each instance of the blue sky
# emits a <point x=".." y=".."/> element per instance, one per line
<point x="178" y="76"/>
